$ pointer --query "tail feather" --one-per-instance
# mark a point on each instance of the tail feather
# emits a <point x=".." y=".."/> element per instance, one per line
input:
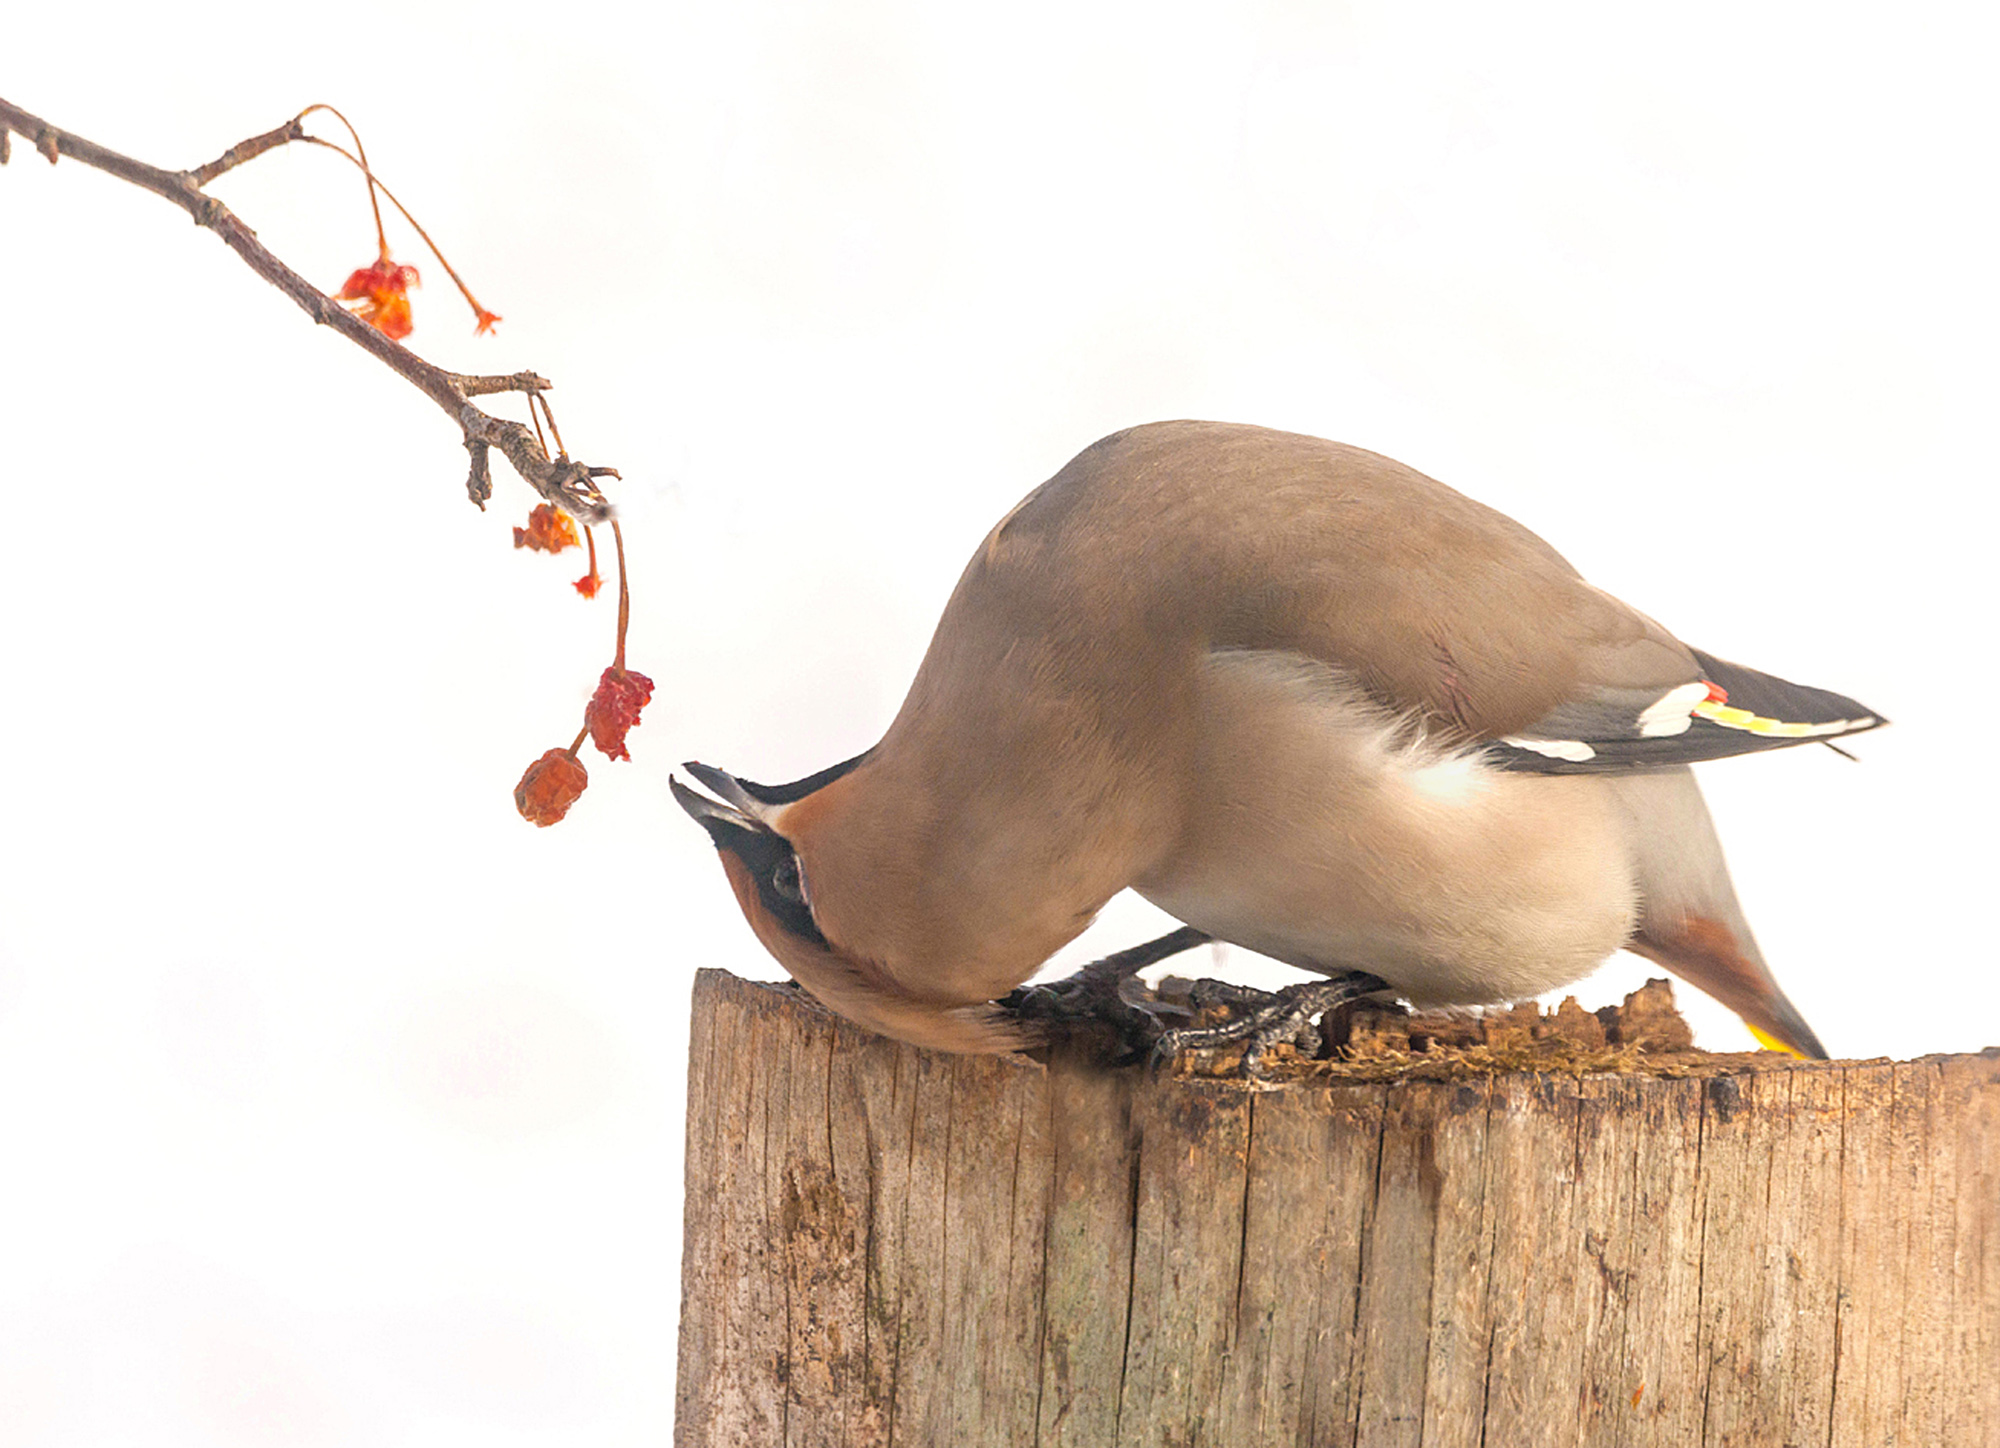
<point x="1707" y="953"/>
<point x="1689" y="920"/>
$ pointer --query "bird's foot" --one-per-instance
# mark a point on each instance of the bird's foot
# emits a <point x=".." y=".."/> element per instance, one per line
<point x="1270" y="1018"/>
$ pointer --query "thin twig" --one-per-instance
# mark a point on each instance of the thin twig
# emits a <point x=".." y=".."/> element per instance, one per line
<point x="248" y="150"/>
<point x="479" y="479"/>
<point x="562" y="481"/>
<point x="475" y="386"/>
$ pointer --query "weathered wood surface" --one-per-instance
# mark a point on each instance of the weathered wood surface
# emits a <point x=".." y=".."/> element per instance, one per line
<point x="890" y="1247"/>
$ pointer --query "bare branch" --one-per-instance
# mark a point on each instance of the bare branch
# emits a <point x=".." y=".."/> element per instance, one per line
<point x="479" y="481"/>
<point x="512" y="382"/>
<point x="250" y="150"/>
<point x="560" y="480"/>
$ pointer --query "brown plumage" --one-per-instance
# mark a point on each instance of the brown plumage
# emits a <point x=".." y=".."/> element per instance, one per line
<point x="1305" y="699"/>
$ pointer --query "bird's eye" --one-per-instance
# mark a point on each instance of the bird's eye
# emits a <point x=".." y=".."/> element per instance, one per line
<point x="787" y="881"/>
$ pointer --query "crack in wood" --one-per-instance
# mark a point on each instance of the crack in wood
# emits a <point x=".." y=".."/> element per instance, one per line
<point x="1366" y="1266"/>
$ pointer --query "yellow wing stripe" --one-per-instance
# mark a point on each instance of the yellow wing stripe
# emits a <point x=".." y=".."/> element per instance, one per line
<point x="1723" y="714"/>
<point x="1733" y="718"/>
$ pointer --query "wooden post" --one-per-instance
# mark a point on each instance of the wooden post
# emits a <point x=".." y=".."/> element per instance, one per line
<point x="886" y="1246"/>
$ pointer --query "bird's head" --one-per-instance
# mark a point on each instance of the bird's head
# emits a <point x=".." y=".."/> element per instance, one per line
<point x="749" y="825"/>
<point x="762" y="866"/>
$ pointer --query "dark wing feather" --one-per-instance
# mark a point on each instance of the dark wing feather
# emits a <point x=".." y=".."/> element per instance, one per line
<point x="1761" y="711"/>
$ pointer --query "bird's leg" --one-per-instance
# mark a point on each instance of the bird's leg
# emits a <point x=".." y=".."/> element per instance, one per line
<point x="1285" y="1015"/>
<point x="1097" y="991"/>
<point x="1106" y="975"/>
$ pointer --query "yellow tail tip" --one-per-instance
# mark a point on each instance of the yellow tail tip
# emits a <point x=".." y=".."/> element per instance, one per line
<point x="1771" y="1043"/>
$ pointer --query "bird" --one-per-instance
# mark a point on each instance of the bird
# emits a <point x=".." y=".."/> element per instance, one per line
<point x="1306" y="700"/>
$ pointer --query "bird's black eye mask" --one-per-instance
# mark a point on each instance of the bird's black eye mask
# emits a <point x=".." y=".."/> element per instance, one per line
<point x="774" y="865"/>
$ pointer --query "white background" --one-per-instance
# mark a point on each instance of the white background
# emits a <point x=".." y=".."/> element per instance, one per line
<point x="339" y="1106"/>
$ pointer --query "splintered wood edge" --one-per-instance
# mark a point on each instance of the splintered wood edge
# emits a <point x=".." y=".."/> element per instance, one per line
<point x="1375" y="1062"/>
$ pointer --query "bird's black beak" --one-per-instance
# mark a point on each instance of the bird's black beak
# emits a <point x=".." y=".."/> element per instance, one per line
<point x="725" y="786"/>
<point x="712" y="815"/>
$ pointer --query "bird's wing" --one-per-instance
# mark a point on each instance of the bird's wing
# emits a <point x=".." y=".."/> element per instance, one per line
<point x="1449" y="610"/>
<point x="1727" y="709"/>
<point x="1443" y="609"/>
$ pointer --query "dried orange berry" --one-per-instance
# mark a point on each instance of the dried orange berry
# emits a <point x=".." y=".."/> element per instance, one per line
<point x="549" y="530"/>
<point x="551" y="785"/>
<point x="380" y="297"/>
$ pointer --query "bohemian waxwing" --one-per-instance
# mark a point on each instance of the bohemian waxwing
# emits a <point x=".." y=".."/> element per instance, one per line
<point x="1299" y="696"/>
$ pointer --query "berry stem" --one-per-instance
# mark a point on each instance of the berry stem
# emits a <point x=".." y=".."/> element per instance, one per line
<point x="624" y="596"/>
<point x="381" y="236"/>
<point x="374" y="185"/>
<point x="550" y="413"/>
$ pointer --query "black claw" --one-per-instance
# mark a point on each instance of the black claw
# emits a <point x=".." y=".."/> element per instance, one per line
<point x="1273" y="1019"/>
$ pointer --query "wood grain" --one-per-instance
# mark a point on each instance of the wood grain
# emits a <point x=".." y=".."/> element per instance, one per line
<point x="886" y="1246"/>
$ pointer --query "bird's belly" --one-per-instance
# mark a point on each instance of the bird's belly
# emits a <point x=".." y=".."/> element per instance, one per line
<point x="1481" y="948"/>
<point x="1322" y="838"/>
